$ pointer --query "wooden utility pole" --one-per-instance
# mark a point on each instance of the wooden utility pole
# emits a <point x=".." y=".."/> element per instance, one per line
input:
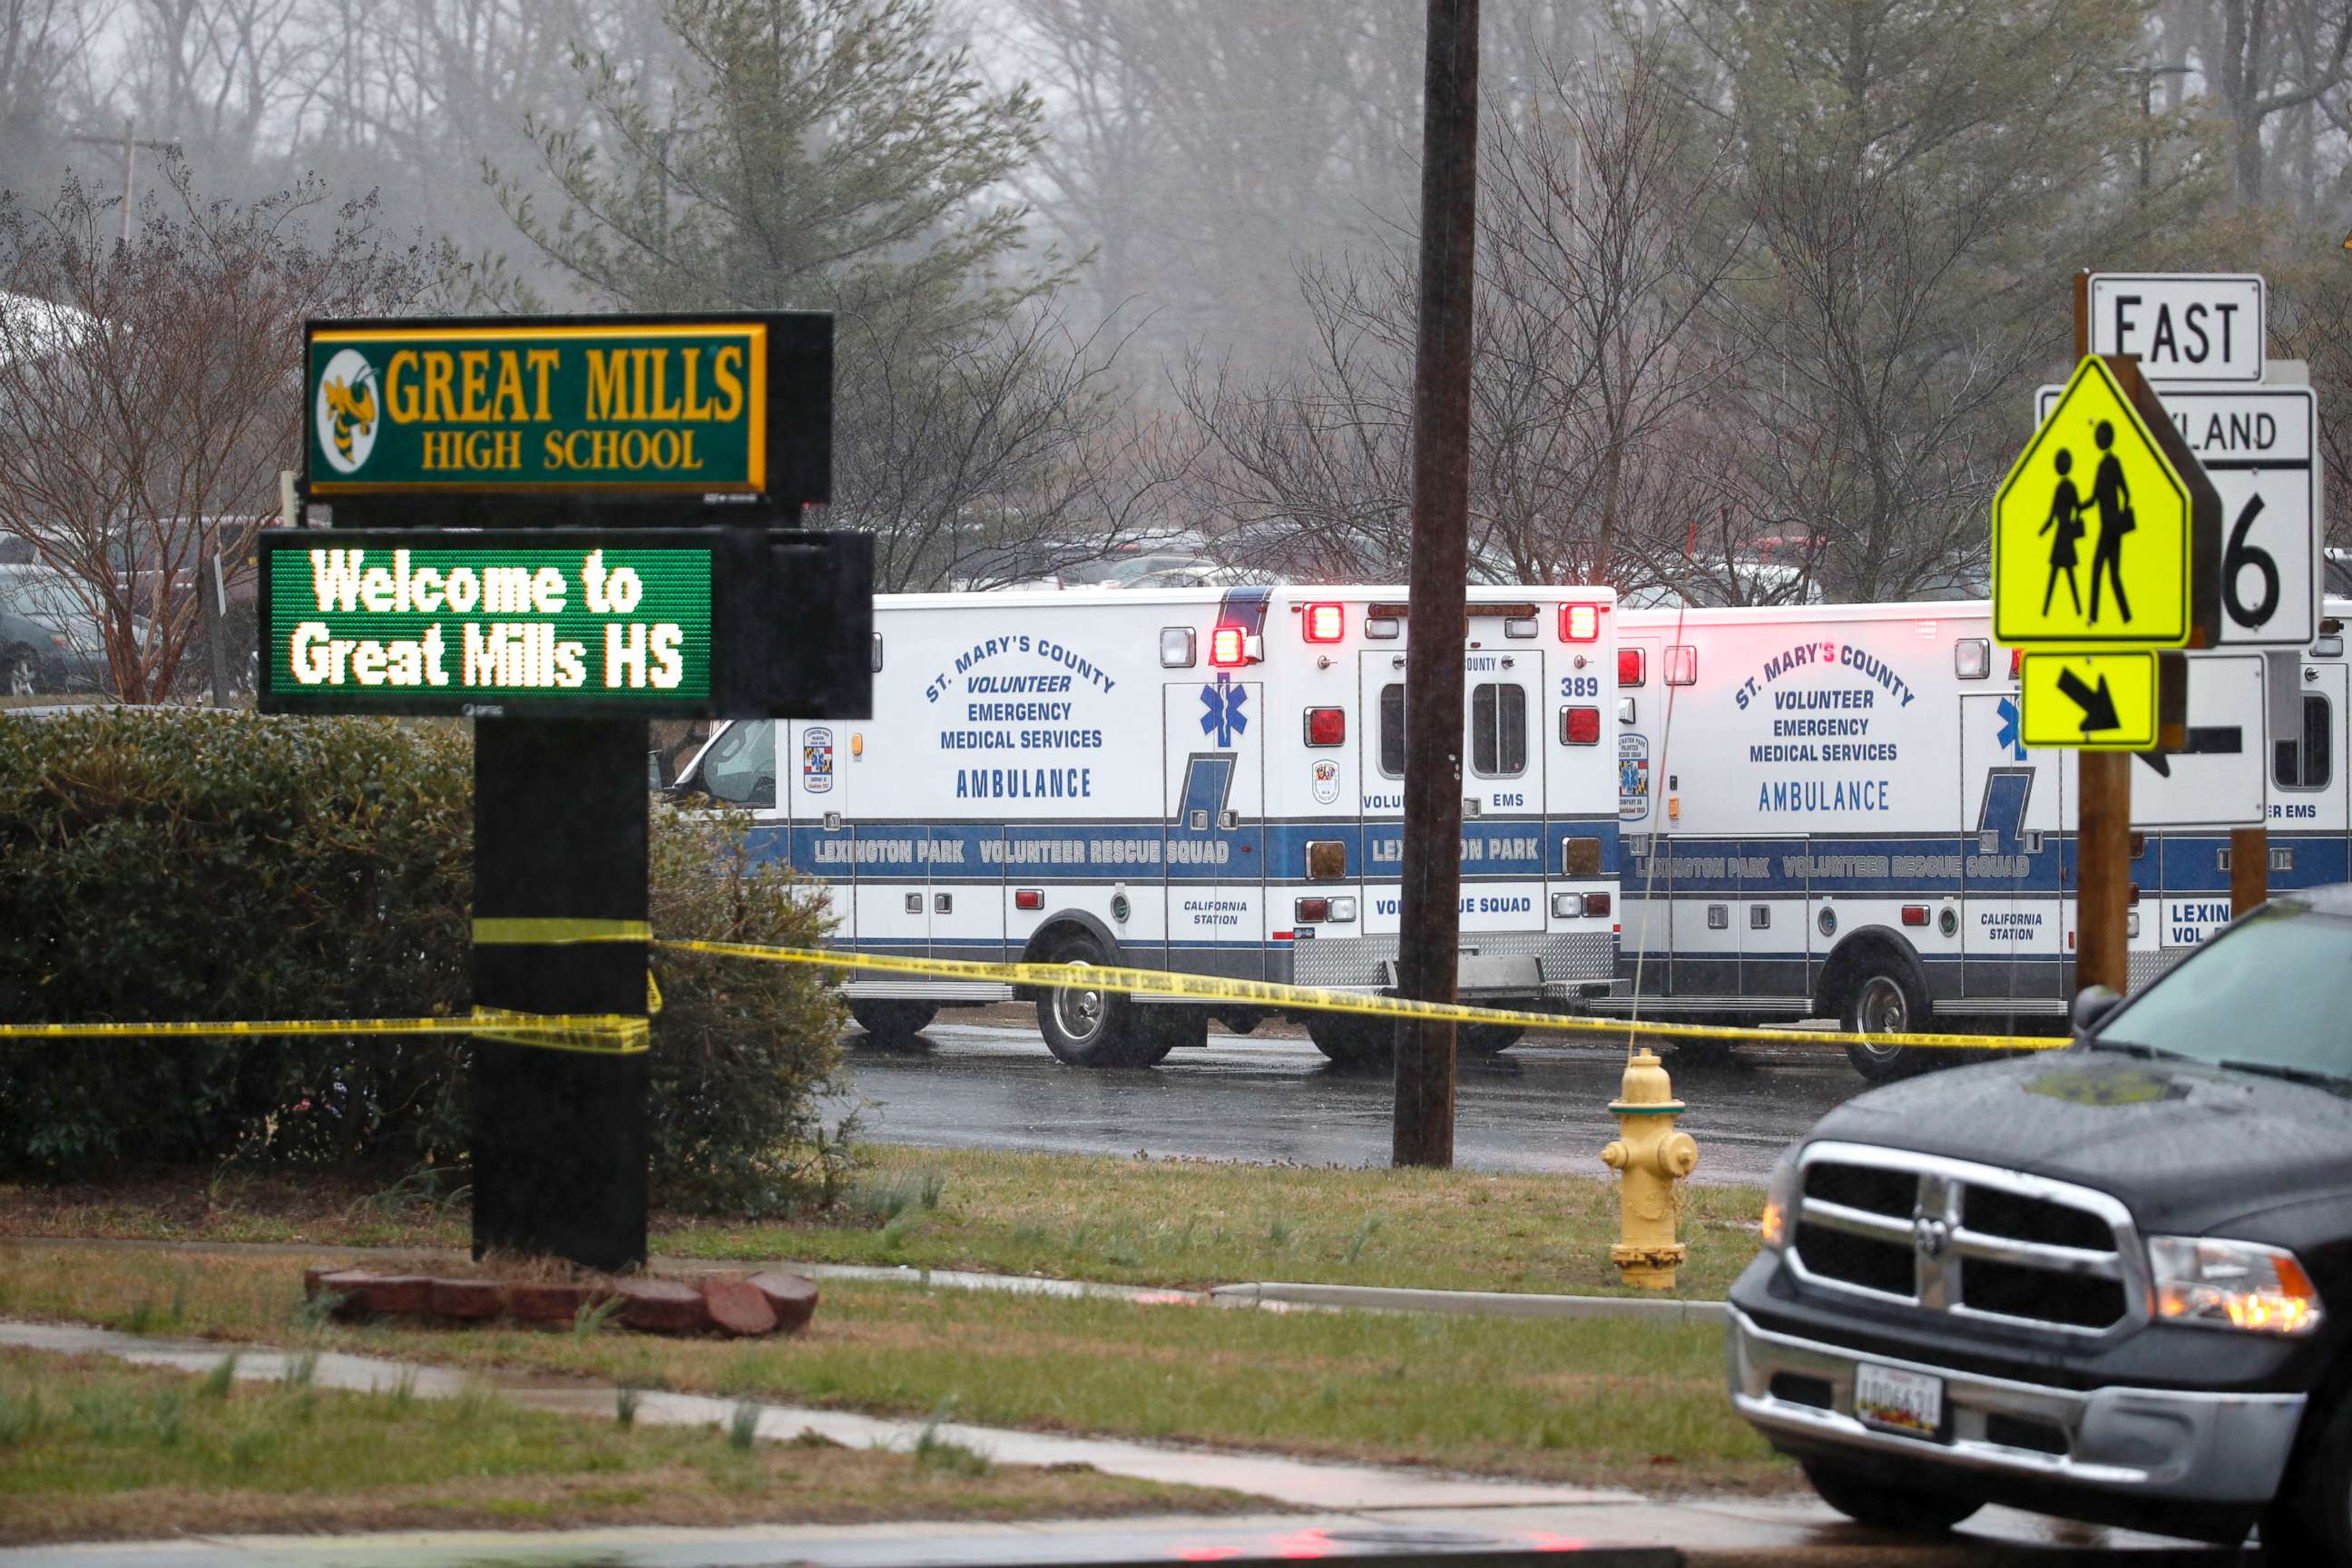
<point x="129" y="182"/>
<point x="2103" y="814"/>
<point x="1430" y="919"/>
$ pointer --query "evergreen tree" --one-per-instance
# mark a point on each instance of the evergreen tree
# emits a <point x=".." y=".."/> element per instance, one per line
<point x="838" y="155"/>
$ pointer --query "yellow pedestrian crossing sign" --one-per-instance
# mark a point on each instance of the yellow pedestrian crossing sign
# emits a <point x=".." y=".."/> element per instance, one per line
<point x="2089" y="701"/>
<point x="2094" y="531"/>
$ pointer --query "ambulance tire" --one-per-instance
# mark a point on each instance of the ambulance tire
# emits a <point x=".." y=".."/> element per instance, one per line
<point x="893" y="1025"/>
<point x="1486" y="1039"/>
<point x="1886" y="998"/>
<point x="1159" y="1030"/>
<point x="1090" y="1028"/>
<point x="1352" y="1042"/>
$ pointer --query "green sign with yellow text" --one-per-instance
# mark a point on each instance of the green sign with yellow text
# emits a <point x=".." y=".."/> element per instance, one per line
<point x="632" y="406"/>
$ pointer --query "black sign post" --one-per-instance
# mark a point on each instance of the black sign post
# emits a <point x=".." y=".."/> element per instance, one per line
<point x="680" y="450"/>
<point x="560" y="1137"/>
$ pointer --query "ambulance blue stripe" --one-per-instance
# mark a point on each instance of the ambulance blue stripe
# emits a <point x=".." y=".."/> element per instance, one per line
<point x="2175" y="864"/>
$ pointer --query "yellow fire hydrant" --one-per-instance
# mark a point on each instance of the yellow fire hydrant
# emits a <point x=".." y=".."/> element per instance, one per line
<point x="1650" y="1158"/>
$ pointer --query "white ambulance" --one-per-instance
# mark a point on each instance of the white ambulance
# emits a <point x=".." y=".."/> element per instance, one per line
<point x="1204" y="780"/>
<point x="1829" y="811"/>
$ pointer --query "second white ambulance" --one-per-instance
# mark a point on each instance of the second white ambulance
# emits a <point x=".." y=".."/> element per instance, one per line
<point x="1829" y="811"/>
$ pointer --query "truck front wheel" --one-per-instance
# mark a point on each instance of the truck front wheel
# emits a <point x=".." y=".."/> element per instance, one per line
<point x="1087" y="1026"/>
<point x="2312" y="1520"/>
<point x="1885" y="1507"/>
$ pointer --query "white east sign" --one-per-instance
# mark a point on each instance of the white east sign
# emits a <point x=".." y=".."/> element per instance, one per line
<point x="2182" y="327"/>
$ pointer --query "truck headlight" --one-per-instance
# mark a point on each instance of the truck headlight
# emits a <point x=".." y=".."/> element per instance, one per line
<point x="2232" y="1285"/>
<point x="1780" y="1203"/>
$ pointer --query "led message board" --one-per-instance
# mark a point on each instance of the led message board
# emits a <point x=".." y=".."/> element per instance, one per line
<point x="651" y="623"/>
<point x="543" y="622"/>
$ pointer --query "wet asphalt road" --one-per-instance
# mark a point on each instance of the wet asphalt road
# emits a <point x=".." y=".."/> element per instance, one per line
<point x="983" y="1080"/>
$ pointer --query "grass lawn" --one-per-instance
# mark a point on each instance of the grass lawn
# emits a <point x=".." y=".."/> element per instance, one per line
<point x="1152" y="1222"/>
<point x="1629" y="1404"/>
<point x="91" y="1449"/>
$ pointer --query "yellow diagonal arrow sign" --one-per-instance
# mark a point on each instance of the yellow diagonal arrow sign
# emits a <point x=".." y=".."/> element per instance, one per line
<point x="2089" y="701"/>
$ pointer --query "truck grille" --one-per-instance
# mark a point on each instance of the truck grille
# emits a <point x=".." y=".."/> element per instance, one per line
<point x="1950" y="1236"/>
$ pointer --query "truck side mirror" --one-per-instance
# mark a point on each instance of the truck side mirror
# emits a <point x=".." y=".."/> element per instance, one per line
<point x="2092" y="1004"/>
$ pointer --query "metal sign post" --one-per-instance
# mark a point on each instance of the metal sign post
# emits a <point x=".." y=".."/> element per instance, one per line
<point x="2253" y="426"/>
<point x="561" y="529"/>
<point x="2105" y="548"/>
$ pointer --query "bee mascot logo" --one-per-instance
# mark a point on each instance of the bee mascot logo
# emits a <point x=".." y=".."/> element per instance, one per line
<point x="348" y="410"/>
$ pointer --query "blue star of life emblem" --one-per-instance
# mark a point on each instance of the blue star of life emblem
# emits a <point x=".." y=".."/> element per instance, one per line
<point x="1225" y="717"/>
<point x="2009" y="737"/>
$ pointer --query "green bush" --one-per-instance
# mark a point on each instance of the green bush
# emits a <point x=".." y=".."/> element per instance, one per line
<point x="741" y="1048"/>
<point x="179" y="865"/>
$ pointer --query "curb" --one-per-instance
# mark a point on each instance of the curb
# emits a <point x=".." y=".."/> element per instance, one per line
<point x="1485" y="1303"/>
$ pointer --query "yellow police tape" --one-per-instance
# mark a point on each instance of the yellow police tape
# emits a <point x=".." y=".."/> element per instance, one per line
<point x="1314" y="999"/>
<point x="619" y="1034"/>
<point x="600" y="1034"/>
<point x="538" y="931"/>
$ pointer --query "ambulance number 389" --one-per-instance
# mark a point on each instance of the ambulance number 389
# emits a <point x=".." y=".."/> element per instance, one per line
<point x="1580" y="686"/>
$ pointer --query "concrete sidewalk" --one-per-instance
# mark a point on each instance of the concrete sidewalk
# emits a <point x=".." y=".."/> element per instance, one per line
<point x="1736" y="1537"/>
<point x="1355" y="1510"/>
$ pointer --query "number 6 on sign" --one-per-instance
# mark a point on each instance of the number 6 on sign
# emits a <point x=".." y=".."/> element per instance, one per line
<point x="2239" y="557"/>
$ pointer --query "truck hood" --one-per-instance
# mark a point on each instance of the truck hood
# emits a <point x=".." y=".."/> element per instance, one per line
<point x="2185" y="1146"/>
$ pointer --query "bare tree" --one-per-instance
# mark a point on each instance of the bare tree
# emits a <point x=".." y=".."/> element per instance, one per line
<point x="1914" y="226"/>
<point x="219" y="75"/>
<point x="1603" y="238"/>
<point x="151" y="390"/>
<point x="44" y="45"/>
<point x="2311" y="320"/>
<point x="1001" y="456"/>
<point x="1611" y="233"/>
<point x="414" y="97"/>
<point x="2267" y="59"/>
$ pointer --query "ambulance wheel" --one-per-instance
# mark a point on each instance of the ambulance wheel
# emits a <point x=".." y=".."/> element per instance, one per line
<point x="1486" y="1039"/>
<point x="1087" y="1026"/>
<point x="1159" y="1030"/>
<point x="893" y="1025"/>
<point x="1351" y="1042"/>
<point x="1885" y="999"/>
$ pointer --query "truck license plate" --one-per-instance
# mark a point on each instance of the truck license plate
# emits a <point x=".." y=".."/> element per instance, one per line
<point x="1898" y="1401"/>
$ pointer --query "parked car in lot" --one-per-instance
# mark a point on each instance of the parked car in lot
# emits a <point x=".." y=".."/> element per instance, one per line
<point x="47" y="641"/>
<point x="2112" y="1282"/>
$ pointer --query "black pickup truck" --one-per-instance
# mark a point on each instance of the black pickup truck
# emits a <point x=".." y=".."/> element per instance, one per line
<point x="2112" y="1282"/>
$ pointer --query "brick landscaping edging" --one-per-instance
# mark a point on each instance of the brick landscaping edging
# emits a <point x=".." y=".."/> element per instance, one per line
<point x="764" y="1303"/>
